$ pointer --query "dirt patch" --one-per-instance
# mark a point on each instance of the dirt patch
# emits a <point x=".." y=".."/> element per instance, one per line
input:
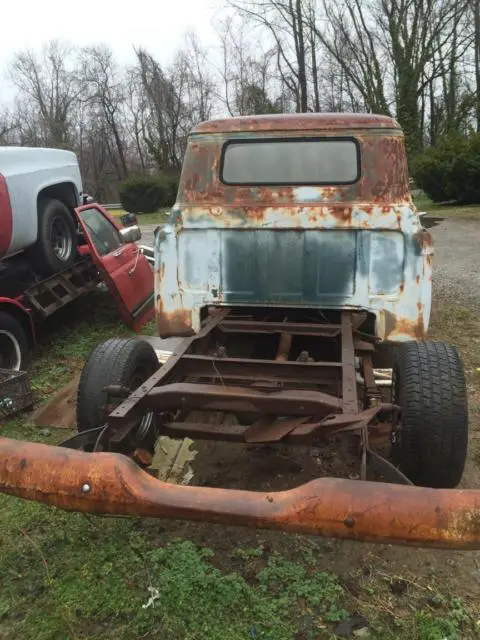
<point x="60" y="411"/>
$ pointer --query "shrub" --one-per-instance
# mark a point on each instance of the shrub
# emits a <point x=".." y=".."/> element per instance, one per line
<point x="142" y="194"/>
<point x="450" y="170"/>
<point x="170" y="182"/>
<point x="148" y="194"/>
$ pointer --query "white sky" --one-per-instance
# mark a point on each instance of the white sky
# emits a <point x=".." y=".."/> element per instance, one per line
<point x="157" y="25"/>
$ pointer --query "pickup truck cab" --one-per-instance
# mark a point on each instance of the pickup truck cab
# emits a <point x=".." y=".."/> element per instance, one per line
<point x="39" y="190"/>
<point x="305" y="212"/>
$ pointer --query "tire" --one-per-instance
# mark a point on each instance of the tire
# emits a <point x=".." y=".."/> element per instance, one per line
<point x="14" y="346"/>
<point x="56" y="246"/>
<point x="126" y="362"/>
<point x="432" y="440"/>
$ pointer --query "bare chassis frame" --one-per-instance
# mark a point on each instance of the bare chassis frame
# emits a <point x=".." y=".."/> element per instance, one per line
<point x="292" y="401"/>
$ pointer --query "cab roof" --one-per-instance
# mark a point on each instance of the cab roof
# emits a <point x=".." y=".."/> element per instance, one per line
<point x="298" y="122"/>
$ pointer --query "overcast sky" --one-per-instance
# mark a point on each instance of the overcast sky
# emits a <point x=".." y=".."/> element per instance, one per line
<point x="157" y="25"/>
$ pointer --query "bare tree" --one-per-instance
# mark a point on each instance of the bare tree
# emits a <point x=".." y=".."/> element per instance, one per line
<point x="49" y="82"/>
<point x="286" y="21"/>
<point x="250" y="79"/>
<point x="402" y="42"/>
<point x="103" y="89"/>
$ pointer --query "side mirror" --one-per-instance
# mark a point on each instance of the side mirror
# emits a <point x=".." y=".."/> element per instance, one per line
<point x="128" y="219"/>
<point x="131" y="234"/>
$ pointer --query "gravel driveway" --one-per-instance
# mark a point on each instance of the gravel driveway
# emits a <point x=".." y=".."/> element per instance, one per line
<point x="147" y="234"/>
<point x="456" y="262"/>
<point x="456" y="267"/>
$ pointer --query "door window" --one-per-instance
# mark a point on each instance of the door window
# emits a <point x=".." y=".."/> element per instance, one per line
<point x="103" y="234"/>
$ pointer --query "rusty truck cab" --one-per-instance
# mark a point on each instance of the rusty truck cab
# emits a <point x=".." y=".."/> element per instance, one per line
<point x="303" y="211"/>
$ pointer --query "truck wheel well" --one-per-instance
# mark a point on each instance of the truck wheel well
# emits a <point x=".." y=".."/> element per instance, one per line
<point x="23" y="318"/>
<point x="64" y="191"/>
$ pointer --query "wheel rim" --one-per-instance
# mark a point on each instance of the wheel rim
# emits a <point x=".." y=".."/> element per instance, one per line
<point x="61" y="239"/>
<point x="10" y="352"/>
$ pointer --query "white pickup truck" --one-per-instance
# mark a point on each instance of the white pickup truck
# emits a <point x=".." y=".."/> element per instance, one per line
<point x="39" y="190"/>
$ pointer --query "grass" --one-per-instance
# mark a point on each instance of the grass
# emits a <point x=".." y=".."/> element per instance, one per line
<point x="143" y="218"/>
<point x="447" y="209"/>
<point x="70" y="576"/>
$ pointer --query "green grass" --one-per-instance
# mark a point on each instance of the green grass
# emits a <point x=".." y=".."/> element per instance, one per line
<point x="143" y="218"/>
<point x="448" y="209"/>
<point x="70" y="576"/>
<point x="94" y="577"/>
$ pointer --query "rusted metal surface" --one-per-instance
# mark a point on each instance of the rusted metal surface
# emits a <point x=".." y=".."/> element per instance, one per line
<point x="267" y="430"/>
<point x="357" y="245"/>
<point x="349" y="383"/>
<point x="227" y="398"/>
<point x="107" y="483"/>
<point x="294" y="328"/>
<point x="297" y="122"/>
<point x="284" y="346"/>
<point x="271" y="428"/>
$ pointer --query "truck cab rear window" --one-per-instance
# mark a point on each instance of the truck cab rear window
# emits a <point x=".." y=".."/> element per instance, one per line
<point x="296" y="161"/>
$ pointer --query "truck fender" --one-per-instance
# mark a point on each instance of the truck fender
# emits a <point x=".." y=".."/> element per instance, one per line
<point x="16" y="309"/>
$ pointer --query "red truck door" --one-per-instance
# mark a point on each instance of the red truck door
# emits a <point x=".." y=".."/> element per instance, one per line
<point x="125" y="271"/>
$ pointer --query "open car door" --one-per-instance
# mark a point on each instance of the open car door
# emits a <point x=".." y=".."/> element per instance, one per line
<point x="123" y="268"/>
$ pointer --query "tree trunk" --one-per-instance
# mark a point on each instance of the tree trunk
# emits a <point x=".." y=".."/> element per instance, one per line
<point x="477" y="62"/>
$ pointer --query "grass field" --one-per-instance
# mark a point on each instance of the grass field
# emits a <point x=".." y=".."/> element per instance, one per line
<point x="447" y="210"/>
<point x="69" y="576"/>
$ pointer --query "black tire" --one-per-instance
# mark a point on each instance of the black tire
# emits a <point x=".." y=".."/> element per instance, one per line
<point x="429" y="385"/>
<point x="14" y="346"/>
<point x="56" y="246"/>
<point x="127" y="362"/>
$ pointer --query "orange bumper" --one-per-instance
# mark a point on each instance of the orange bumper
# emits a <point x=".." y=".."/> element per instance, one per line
<point x="108" y="483"/>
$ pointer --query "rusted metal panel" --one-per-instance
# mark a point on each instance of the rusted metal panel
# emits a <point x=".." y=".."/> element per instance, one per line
<point x="347" y="246"/>
<point x="375" y="270"/>
<point x="108" y="483"/>
<point x="298" y="122"/>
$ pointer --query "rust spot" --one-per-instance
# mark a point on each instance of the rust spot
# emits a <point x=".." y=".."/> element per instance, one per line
<point x="176" y="323"/>
<point x="417" y="279"/>
<point x="402" y="287"/>
<point x="424" y="239"/>
<point x="395" y="325"/>
<point x="342" y="214"/>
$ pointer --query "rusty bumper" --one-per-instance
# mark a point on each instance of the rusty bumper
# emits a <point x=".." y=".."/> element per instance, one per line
<point x="109" y="483"/>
